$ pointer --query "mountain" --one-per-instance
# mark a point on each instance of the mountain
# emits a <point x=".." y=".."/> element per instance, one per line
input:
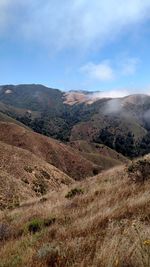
<point x="101" y="221"/>
<point x="75" y="200"/>
<point x="34" y="97"/>
<point x="121" y="124"/>
<point x="118" y="123"/>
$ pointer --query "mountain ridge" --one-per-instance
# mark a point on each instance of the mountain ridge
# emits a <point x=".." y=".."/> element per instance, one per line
<point x="108" y="121"/>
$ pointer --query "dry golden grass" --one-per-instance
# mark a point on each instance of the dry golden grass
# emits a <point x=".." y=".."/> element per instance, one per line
<point x="63" y="157"/>
<point x="23" y="175"/>
<point x="106" y="226"/>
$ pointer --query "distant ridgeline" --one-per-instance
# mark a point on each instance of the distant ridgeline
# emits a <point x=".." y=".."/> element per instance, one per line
<point x="122" y="124"/>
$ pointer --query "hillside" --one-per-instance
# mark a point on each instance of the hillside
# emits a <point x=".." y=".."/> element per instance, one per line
<point x="58" y="154"/>
<point x="77" y="97"/>
<point x="23" y="175"/>
<point x="105" y="215"/>
<point x="32" y="97"/>
<point x="6" y="118"/>
<point x="99" y="154"/>
<point x="27" y="161"/>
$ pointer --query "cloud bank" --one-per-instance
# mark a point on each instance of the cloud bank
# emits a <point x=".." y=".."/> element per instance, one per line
<point x="66" y="24"/>
<point x="111" y="94"/>
<point x="105" y="71"/>
<point x="102" y="71"/>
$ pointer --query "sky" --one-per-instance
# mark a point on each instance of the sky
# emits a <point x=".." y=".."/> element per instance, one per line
<point x="101" y="45"/>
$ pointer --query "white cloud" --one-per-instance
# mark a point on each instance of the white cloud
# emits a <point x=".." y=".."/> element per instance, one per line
<point x="101" y="72"/>
<point x="76" y="23"/>
<point x="106" y="71"/>
<point x="112" y="94"/>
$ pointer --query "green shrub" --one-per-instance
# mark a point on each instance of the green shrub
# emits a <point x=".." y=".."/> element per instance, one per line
<point x="34" y="226"/>
<point x="74" y="192"/>
<point x="37" y="224"/>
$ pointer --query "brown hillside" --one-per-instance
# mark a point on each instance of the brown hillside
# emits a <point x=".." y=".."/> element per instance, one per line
<point x="99" y="154"/>
<point x="60" y="155"/>
<point x="72" y="98"/>
<point x="104" y="223"/>
<point x="23" y="175"/>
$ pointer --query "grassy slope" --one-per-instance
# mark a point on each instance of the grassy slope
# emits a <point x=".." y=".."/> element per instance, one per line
<point x="105" y="226"/>
<point x="99" y="154"/>
<point x="58" y="154"/>
<point x="23" y="175"/>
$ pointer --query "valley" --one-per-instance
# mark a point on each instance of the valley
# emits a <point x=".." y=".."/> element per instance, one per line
<point x="73" y="185"/>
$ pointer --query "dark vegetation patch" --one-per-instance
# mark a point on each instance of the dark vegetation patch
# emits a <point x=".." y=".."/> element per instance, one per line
<point x="40" y="186"/>
<point x="74" y="192"/>
<point x="45" y="174"/>
<point x="36" y="225"/>
<point x="5" y="231"/>
<point x="28" y="169"/>
<point x="10" y="203"/>
<point x="25" y="180"/>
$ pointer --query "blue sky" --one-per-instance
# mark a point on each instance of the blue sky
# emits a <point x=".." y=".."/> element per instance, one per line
<point x="76" y="44"/>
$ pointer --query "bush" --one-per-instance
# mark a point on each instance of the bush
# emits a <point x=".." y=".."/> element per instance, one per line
<point x="95" y="171"/>
<point x="48" y="250"/>
<point x="74" y="192"/>
<point x="5" y="231"/>
<point x="51" y="255"/>
<point x="40" y="186"/>
<point x="34" y="226"/>
<point x="139" y="171"/>
<point x="37" y="224"/>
